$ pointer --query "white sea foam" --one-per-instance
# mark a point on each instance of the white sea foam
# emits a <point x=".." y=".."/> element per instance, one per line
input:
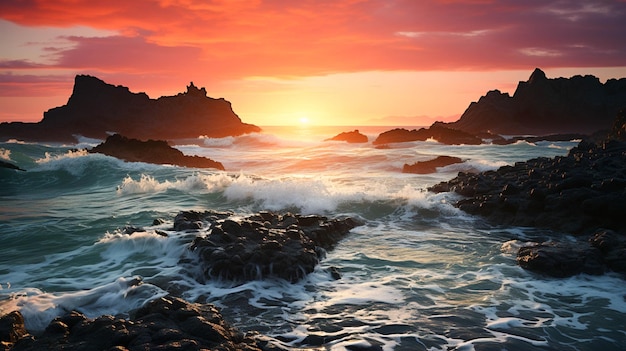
<point x="5" y="154"/>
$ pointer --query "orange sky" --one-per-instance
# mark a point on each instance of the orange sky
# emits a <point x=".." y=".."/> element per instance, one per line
<point x="343" y="62"/>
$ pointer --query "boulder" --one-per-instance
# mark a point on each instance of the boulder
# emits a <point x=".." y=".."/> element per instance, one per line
<point x="351" y="137"/>
<point x="151" y="151"/>
<point x="430" y="166"/>
<point x="442" y="134"/>
<point x="264" y="245"/>
<point x="580" y="104"/>
<point x="560" y="260"/>
<point x="166" y="323"/>
<point x="96" y="108"/>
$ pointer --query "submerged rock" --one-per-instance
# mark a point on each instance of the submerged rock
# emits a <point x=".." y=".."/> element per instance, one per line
<point x="351" y="137"/>
<point x="430" y="166"/>
<point x="151" y="151"/>
<point x="166" y="323"/>
<point x="264" y="245"/>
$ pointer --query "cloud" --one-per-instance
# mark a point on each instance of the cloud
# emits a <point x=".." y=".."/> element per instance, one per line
<point x="241" y="38"/>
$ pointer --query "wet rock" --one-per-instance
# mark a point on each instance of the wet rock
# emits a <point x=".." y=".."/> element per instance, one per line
<point x="12" y="329"/>
<point x="162" y="324"/>
<point x="351" y="137"/>
<point x="151" y="151"/>
<point x="265" y="245"/>
<point x="430" y="166"/>
<point x="442" y="134"/>
<point x="560" y="260"/>
<point x="580" y="194"/>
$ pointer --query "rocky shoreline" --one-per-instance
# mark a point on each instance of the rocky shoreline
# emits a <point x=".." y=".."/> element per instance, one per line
<point x="581" y="194"/>
<point x="264" y="245"/>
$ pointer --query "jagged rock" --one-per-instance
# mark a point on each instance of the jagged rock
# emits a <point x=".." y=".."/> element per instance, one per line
<point x="560" y="260"/>
<point x="351" y="137"/>
<point x="430" y="166"/>
<point x="12" y="329"/>
<point x="166" y="323"/>
<point x="546" y="106"/>
<point x="151" y="151"/>
<point x="287" y="246"/>
<point x="442" y="134"/>
<point x="96" y="108"/>
<point x="580" y="194"/>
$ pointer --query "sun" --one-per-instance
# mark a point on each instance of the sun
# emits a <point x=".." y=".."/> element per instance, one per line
<point x="304" y="120"/>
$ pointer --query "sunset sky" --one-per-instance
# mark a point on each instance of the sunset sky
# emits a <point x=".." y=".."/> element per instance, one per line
<point x="342" y="62"/>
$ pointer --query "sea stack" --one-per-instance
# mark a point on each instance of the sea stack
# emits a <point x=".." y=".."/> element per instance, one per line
<point x="96" y="109"/>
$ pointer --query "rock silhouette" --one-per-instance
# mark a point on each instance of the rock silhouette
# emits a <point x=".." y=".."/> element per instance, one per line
<point x="440" y="133"/>
<point x="97" y="108"/>
<point x="430" y="166"/>
<point x="580" y="104"/>
<point x="351" y="137"/>
<point x="151" y="151"/>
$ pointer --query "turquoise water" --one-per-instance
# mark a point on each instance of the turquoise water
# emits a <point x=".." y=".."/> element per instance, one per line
<point x="419" y="275"/>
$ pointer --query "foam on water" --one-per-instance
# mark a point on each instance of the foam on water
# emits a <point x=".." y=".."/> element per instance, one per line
<point x="419" y="275"/>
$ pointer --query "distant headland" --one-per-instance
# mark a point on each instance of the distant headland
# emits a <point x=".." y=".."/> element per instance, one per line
<point x="541" y="106"/>
<point x="96" y="109"/>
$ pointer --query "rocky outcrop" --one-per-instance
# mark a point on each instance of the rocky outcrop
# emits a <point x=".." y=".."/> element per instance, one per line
<point x="265" y="245"/>
<point x="430" y="166"/>
<point x="96" y="108"/>
<point x="580" y="104"/>
<point x="582" y="193"/>
<point x="151" y="151"/>
<point x="351" y="137"/>
<point x="166" y="323"/>
<point x="442" y="134"/>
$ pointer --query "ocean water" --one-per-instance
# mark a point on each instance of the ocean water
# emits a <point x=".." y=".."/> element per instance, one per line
<point x="418" y="275"/>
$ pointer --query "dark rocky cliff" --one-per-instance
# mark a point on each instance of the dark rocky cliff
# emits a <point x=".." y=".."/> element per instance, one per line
<point x="97" y="108"/>
<point x="580" y="104"/>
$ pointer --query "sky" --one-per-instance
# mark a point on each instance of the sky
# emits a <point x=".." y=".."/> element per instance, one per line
<point x="284" y="62"/>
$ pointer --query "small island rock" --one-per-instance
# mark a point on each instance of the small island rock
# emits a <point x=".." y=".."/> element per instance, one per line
<point x="151" y="151"/>
<point x="351" y="137"/>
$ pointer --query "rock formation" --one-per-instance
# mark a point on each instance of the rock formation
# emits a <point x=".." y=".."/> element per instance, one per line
<point x="265" y="245"/>
<point x="583" y="193"/>
<point x="430" y="166"/>
<point x="97" y="108"/>
<point x="166" y="323"/>
<point x="546" y="106"/>
<point x="151" y="151"/>
<point x="351" y="137"/>
<point x="442" y="134"/>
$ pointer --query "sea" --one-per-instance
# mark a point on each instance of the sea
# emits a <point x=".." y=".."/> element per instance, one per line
<point x="419" y="274"/>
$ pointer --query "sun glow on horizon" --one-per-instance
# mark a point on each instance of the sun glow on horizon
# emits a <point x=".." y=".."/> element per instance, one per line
<point x="304" y="120"/>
